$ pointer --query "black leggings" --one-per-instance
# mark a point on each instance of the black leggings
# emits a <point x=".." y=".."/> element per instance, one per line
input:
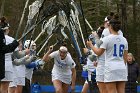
<point x="27" y="87"/>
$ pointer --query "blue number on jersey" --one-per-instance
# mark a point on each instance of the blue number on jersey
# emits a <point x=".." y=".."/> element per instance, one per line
<point x="121" y="48"/>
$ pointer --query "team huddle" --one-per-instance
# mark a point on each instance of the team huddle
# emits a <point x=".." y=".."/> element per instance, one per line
<point x="106" y="52"/>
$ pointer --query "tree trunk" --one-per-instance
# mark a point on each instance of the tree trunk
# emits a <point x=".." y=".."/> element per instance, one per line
<point x="124" y="17"/>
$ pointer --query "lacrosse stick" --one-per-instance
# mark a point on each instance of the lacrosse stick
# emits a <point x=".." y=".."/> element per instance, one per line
<point x="41" y="7"/>
<point x="75" y="22"/>
<point x="48" y="37"/>
<point x="22" y="17"/>
<point x="78" y="22"/>
<point x="78" y="11"/>
<point x="54" y="30"/>
<point x="63" y="33"/>
<point x="44" y="44"/>
<point x="33" y="10"/>
<point x="50" y="25"/>
<point x="63" y="15"/>
<point x="83" y="17"/>
<point x="49" y="11"/>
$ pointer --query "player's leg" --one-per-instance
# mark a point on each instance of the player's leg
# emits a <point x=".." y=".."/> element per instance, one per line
<point x="120" y="87"/>
<point x="5" y="82"/>
<point x="111" y="87"/>
<point x="102" y="87"/>
<point x="20" y="84"/>
<point x="58" y="86"/>
<point x="85" y="87"/>
<point x="65" y="87"/>
<point x="12" y="86"/>
<point x="4" y="86"/>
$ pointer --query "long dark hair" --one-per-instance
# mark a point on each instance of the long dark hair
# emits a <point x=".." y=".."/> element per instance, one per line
<point x="100" y="30"/>
<point x="116" y="24"/>
<point x="3" y="23"/>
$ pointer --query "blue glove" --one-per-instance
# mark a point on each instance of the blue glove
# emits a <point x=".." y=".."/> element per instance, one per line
<point x="92" y="38"/>
<point x="36" y="64"/>
<point x="31" y="65"/>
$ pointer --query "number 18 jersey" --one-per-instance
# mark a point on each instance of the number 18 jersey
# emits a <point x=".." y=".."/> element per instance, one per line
<point x="114" y="46"/>
<point x="115" y="68"/>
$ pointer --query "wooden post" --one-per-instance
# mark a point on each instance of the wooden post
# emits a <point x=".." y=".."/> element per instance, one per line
<point x="2" y="8"/>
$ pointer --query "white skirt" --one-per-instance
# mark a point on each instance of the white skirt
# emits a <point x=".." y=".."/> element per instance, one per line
<point x="63" y="78"/>
<point x="8" y="76"/>
<point x="115" y="75"/>
<point x="17" y="81"/>
<point x="100" y="78"/>
<point x="13" y="83"/>
<point x="20" y="81"/>
<point x="100" y="73"/>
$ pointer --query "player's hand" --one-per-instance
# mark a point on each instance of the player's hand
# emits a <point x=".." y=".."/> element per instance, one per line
<point x="85" y="50"/>
<point x="27" y="57"/>
<point x="27" y="51"/>
<point x="95" y="63"/>
<point x="89" y="43"/>
<point x="94" y="34"/>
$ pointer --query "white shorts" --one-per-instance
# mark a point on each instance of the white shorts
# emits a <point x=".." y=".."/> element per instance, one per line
<point x="8" y="76"/>
<point x="115" y="75"/>
<point x="64" y="79"/>
<point x="100" y="73"/>
<point x="13" y="83"/>
<point x="99" y="78"/>
<point x="20" y="81"/>
<point x="100" y="70"/>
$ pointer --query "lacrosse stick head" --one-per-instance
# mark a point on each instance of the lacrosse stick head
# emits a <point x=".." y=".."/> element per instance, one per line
<point x="64" y="5"/>
<point x="50" y="25"/>
<point x="32" y="46"/>
<point x="34" y="8"/>
<point x="62" y="18"/>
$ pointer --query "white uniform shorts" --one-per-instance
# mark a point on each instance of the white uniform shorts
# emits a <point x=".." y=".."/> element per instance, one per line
<point x="100" y="74"/>
<point x="64" y="79"/>
<point x="99" y="78"/>
<point x="17" y="81"/>
<point x="115" y="75"/>
<point x="21" y="81"/>
<point x="13" y="83"/>
<point x="8" y="76"/>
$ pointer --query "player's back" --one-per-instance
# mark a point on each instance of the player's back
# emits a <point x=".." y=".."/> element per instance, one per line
<point x="115" y="46"/>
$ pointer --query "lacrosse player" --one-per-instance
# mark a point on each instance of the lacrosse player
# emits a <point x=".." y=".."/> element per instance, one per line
<point x="63" y="72"/>
<point x="115" y="47"/>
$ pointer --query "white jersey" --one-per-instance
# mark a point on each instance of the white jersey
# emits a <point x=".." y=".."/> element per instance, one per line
<point x="106" y="32"/>
<point x="89" y="66"/>
<point x="114" y="62"/>
<point x="8" y="56"/>
<point x="29" y="73"/>
<point x="20" y="70"/>
<point x="115" y="46"/>
<point x="101" y="59"/>
<point x="62" y="67"/>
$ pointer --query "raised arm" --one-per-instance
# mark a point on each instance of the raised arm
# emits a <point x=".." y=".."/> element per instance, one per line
<point x="46" y="57"/>
<point x="97" y="51"/>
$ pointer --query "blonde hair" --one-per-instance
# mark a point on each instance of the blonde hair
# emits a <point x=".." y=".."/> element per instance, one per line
<point x="130" y="54"/>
